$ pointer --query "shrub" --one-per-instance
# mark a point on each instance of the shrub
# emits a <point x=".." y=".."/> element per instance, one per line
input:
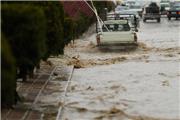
<point x="82" y="24"/>
<point x="55" y="20"/>
<point x="69" y="31"/>
<point x="8" y="75"/>
<point x="25" y="28"/>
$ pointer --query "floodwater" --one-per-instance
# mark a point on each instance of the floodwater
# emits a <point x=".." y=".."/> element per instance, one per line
<point x="138" y="84"/>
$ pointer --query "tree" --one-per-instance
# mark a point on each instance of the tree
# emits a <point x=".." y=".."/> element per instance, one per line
<point x="8" y="75"/>
<point x="55" y="20"/>
<point x="25" y="28"/>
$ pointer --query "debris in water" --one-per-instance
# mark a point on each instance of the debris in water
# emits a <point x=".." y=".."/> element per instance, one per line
<point x="165" y="83"/>
<point x="55" y="74"/>
<point x="169" y="55"/>
<point x="163" y="74"/>
<point x="49" y="63"/>
<point x="144" y="46"/>
<point x="115" y="87"/>
<point x="72" y="103"/>
<point x="90" y="88"/>
<point x="61" y="77"/>
<point x="114" y="110"/>
<point x="73" y="87"/>
<point x="82" y="63"/>
<point x="81" y="109"/>
<point x="60" y="103"/>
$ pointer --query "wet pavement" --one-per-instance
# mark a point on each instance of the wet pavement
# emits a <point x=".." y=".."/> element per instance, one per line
<point x="40" y="95"/>
<point x="160" y="35"/>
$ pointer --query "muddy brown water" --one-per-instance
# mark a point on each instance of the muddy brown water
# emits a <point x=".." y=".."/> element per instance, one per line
<point x="138" y="84"/>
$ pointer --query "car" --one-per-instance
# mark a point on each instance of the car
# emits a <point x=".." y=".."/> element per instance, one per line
<point x="129" y="14"/>
<point x="116" y="32"/>
<point x="174" y="11"/>
<point x="151" y="12"/>
<point x="121" y="8"/>
<point x="130" y="2"/>
<point x="137" y="8"/>
<point x="164" y="7"/>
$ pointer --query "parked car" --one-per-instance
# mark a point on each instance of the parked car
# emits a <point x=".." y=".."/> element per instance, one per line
<point x="174" y="11"/>
<point x="129" y="14"/>
<point x="152" y="11"/>
<point x="164" y="7"/>
<point x="121" y="8"/>
<point x="116" y="32"/>
<point x="137" y="8"/>
<point x="130" y="2"/>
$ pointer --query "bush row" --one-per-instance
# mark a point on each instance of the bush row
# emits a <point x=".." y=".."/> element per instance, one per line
<point x="32" y="31"/>
<point x="8" y="71"/>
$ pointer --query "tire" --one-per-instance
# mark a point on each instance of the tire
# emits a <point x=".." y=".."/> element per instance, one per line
<point x="169" y="18"/>
<point x="144" y="20"/>
<point x="159" y="20"/>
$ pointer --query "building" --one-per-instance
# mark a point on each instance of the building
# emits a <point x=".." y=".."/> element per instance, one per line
<point x="74" y="8"/>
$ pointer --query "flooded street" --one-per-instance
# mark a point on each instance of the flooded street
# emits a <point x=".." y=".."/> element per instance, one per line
<point x="91" y="60"/>
<point x="108" y="83"/>
<point x="141" y="84"/>
<point x="160" y="35"/>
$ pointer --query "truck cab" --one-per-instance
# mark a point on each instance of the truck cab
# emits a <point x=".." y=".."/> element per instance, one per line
<point x="116" y="32"/>
<point x="151" y="12"/>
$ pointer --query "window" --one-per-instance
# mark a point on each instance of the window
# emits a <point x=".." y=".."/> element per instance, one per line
<point x="116" y="27"/>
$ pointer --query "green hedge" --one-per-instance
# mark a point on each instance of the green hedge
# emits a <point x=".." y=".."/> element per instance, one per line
<point x="25" y="28"/>
<point x="69" y="30"/>
<point x="55" y="20"/>
<point x="8" y="75"/>
<point x="34" y="31"/>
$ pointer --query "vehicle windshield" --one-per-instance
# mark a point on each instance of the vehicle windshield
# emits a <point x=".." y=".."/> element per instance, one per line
<point x="120" y="8"/>
<point x="129" y="12"/>
<point x="135" y="7"/>
<point x="176" y="6"/>
<point x="116" y="27"/>
<point x="165" y="5"/>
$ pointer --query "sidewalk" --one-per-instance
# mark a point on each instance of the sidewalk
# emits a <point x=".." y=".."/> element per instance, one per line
<point x="37" y="94"/>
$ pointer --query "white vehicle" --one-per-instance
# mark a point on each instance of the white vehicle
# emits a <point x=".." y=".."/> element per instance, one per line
<point x="116" y="32"/>
<point x="136" y="8"/>
<point x="132" y="17"/>
<point x="121" y="8"/>
<point x="130" y="2"/>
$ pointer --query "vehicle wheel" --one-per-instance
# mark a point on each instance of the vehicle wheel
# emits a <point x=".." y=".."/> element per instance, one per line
<point x="176" y="18"/>
<point x="144" y="20"/>
<point x="169" y="18"/>
<point x="158" y="20"/>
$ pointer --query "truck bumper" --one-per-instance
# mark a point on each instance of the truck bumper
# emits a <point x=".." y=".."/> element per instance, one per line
<point x="134" y="43"/>
<point x="174" y="15"/>
<point x="152" y="16"/>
